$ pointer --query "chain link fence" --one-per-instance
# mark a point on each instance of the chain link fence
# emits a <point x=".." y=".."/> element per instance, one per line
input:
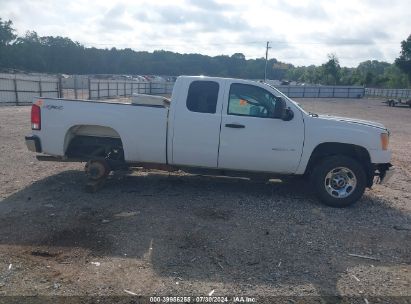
<point x="21" y="89"/>
<point x="392" y="93"/>
<point x="306" y="91"/>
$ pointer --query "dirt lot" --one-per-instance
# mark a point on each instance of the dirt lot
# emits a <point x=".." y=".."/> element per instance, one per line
<point x="159" y="234"/>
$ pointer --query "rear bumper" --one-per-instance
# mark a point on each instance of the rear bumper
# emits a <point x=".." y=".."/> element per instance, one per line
<point x="33" y="143"/>
<point x="384" y="172"/>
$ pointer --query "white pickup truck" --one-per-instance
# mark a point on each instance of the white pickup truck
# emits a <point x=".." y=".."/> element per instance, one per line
<point x="222" y="126"/>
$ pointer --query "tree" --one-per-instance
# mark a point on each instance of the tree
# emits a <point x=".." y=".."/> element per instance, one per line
<point x="239" y="56"/>
<point x="331" y="70"/>
<point x="393" y="78"/>
<point x="6" y="37"/>
<point x="6" y="32"/>
<point x="404" y="61"/>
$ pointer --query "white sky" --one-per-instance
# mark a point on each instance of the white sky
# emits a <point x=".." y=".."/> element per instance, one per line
<point x="301" y="32"/>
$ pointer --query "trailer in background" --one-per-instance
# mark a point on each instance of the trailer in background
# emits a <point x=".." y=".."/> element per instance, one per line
<point x="397" y="102"/>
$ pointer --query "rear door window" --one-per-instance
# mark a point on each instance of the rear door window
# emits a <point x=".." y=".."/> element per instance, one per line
<point x="202" y="96"/>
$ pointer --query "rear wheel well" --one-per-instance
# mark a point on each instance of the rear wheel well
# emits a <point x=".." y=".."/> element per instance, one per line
<point x="92" y="147"/>
<point x="356" y="152"/>
<point x="93" y="142"/>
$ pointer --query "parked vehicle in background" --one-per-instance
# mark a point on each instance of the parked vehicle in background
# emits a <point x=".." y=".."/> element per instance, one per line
<point x="140" y="78"/>
<point x="219" y="126"/>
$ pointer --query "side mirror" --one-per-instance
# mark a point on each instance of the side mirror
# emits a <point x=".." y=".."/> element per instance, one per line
<point x="287" y="114"/>
<point x="280" y="105"/>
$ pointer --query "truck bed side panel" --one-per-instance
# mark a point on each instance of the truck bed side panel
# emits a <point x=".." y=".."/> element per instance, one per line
<point x="142" y="129"/>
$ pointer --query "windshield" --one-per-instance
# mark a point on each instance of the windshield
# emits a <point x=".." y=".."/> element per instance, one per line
<point x="287" y="98"/>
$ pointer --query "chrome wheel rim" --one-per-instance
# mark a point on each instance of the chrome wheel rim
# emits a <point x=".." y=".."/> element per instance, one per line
<point x="340" y="182"/>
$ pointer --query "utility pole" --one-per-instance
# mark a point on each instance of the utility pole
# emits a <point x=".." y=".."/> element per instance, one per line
<point x="266" y="60"/>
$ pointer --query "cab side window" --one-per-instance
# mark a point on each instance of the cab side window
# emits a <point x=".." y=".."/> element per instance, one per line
<point x="249" y="100"/>
<point x="202" y="96"/>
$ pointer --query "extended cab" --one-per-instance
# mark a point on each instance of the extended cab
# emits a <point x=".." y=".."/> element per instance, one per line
<point x="224" y="126"/>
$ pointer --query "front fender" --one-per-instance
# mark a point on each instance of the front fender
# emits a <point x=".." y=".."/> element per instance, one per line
<point x="319" y="131"/>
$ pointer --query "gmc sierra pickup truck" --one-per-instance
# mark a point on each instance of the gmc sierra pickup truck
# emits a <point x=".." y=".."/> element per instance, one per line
<point x="220" y="125"/>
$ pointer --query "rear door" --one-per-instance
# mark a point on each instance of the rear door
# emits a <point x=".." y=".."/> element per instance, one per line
<point x="196" y="124"/>
<point x="252" y="139"/>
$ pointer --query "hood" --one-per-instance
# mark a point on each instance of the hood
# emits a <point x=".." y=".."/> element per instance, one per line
<point x="354" y="120"/>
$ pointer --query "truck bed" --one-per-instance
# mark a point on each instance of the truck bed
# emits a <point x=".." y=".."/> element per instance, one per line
<point x="141" y="128"/>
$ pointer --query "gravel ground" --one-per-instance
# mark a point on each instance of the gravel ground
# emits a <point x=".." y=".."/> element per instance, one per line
<point x="152" y="233"/>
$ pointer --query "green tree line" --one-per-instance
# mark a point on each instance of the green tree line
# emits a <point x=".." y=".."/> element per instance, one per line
<point x="370" y="73"/>
<point x="50" y="54"/>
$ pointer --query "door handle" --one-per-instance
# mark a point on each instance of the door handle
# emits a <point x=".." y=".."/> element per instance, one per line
<point x="235" y="126"/>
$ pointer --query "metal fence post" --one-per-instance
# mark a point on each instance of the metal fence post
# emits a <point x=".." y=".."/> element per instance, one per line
<point x="15" y="91"/>
<point x="117" y="87"/>
<point x="125" y="93"/>
<point x="40" y="89"/>
<point x="108" y="89"/>
<point x="75" y="87"/>
<point x="98" y="89"/>
<point x="149" y="87"/>
<point x="132" y="88"/>
<point x="60" y="87"/>
<point x="89" y="87"/>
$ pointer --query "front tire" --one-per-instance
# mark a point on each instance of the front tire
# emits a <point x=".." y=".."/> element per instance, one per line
<point x="339" y="181"/>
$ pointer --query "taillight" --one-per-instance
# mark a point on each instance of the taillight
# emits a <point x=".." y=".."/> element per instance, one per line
<point x="35" y="117"/>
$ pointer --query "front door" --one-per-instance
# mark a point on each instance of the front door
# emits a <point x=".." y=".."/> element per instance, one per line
<point x="253" y="136"/>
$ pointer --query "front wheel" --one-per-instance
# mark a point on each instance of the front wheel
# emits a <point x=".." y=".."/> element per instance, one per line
<point x="339" y="181"/>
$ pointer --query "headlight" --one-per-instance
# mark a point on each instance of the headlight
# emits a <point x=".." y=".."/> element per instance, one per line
<point x="385" y="138"/>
